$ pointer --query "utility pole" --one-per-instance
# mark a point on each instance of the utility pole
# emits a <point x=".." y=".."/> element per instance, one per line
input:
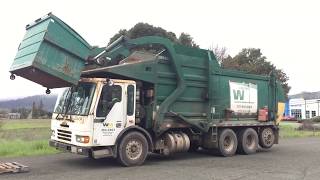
<point x="305" y="109"/>
<point x="318" y="107"/>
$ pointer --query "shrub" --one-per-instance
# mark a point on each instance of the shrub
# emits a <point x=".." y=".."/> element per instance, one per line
<point x="316" y="119"/>
<point x="310" y="125"/>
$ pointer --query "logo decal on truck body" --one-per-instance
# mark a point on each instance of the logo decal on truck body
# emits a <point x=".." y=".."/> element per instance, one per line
<point x="243" y="97"/>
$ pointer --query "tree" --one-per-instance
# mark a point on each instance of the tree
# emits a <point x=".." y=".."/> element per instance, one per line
<point x="3" y="113"/>
<point x="41" y="105"/>
<point x="219" y="52"/>
<point x="35" y="111"/>
<point x="187" y="40"/>
<point x="24" y="112"/>
<point x="249" y="60"/>
<point x="252" y="61"/>
<point x="145" y="29"/>
<point x="41" y="111"/>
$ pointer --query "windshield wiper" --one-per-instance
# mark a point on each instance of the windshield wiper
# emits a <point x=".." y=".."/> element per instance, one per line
<point x="66" y="100"/>
<point x="73" y="89"/>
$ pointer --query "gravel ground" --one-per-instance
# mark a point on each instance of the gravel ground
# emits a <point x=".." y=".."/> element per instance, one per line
<point x="297" y="158"/>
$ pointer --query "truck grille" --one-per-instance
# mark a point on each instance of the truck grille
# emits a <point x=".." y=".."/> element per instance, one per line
<point x="64" y="135"/>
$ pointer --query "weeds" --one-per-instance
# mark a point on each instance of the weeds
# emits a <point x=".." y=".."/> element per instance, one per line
<point x="289" y="130"/>
<point x="25" y="148"/>
<point x="25" y="138"/>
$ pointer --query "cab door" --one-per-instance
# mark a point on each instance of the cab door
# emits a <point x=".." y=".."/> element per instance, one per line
<point x="110" y="115"/>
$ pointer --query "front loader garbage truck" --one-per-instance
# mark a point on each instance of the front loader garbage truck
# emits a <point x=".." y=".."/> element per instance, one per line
<point x="144" y="95"/>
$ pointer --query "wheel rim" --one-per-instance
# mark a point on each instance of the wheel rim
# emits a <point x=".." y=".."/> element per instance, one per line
<point x="250" y="141"/>
<point x="134" y="149"/>
<point x="228" y="143"/>
<point x="268" y="136"/>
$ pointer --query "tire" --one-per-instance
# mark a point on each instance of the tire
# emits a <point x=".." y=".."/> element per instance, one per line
<point x="266" y="138"/>
<point x="227" y="142"/>
<point x="132" y="149"/>
<point x="248" y="141"/>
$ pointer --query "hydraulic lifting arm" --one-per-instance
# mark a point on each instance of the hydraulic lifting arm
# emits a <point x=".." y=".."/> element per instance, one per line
<point x="123" y="46"/>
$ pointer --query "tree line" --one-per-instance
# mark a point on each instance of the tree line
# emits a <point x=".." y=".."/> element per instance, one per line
<point x="250" y="60"/>
<point x="36" y="112"/>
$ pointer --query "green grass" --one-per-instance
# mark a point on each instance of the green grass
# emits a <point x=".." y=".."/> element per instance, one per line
<point x="25" y="124"/>
<point x="289" y="130"/>
<point x="15" y="148"/>
<point x="25" y="138"/>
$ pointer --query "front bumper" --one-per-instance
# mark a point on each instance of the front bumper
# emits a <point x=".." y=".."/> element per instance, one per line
<point x="70" y="148"/>
<point x="96" y="153"/>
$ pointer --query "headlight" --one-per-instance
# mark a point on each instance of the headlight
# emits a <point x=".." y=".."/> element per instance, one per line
<point x="82" y="139"/>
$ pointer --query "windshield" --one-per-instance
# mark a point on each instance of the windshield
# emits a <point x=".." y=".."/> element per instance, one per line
<point x="76" y="100"/>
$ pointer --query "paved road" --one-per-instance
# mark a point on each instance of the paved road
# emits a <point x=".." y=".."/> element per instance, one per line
<point x="292" y="159"/>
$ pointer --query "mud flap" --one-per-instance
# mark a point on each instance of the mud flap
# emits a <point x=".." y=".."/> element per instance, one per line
<point x="276" y="135"/>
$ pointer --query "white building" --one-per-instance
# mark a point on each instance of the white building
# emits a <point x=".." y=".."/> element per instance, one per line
<point x="14" y="115"/>
<point x="303" y="108"/>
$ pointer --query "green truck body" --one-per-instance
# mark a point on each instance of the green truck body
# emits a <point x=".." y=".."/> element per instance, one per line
<point x="190" y="84"/>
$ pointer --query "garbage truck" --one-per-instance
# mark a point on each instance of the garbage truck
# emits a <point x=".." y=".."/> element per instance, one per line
<point x="146" y="95"/>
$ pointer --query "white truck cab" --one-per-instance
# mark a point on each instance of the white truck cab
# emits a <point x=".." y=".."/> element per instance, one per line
<point x="89" y="117"/>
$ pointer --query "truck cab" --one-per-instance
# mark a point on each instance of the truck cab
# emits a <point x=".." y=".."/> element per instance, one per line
<point x="92" y="114"/>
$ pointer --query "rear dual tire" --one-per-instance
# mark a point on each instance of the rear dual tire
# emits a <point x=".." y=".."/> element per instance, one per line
<point x="245" y="143"/>
<point x="248" y="141"/>
<point x="228" y="142"/>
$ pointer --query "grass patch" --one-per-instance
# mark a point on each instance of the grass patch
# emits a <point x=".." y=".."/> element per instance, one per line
<point x="25" y="138"/>
<point x="24" y="124"/>
<point x="19" y="147"/>
<point x="289" y="130"/>
<point x="28" y="134"/>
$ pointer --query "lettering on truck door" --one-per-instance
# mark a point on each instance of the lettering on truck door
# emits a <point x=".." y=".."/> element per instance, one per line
<point x="109" y="113"/>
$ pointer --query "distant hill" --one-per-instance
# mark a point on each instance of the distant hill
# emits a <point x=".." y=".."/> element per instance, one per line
<point x="47" y="100"/>
<point x="306" y="95"/>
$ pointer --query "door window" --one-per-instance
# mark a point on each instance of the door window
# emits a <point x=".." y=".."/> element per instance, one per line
<point x="110" y="95"/>
<point x="130" y="101"/>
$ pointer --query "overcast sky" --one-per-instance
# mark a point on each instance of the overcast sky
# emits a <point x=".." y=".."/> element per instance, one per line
<point x="287" y="32"/>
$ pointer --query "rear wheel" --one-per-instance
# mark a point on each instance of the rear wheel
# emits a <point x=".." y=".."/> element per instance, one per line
<point x="227" y="142"/>
<point x="133" y="149"/>
<point x="248" y="141"/>
<point x="266" y="138"/>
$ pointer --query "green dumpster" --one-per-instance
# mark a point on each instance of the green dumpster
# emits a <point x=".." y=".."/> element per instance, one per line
<point x="51" y="53"/>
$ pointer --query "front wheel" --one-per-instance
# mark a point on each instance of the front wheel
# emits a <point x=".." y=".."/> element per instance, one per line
<point x="133" y="149"/>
